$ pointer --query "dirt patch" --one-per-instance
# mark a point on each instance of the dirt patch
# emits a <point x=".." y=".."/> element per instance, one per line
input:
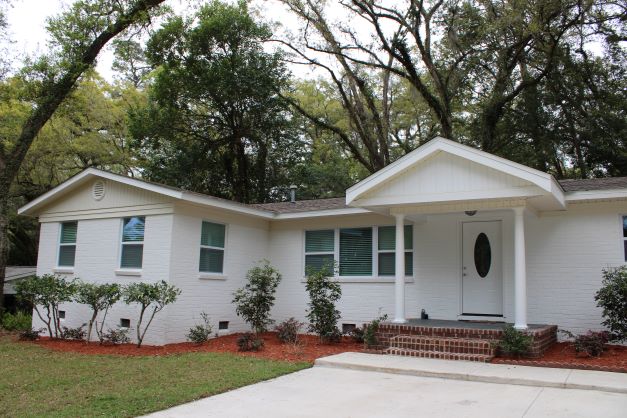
<point x="563" y="355"/>
<point x="307" y="350"/>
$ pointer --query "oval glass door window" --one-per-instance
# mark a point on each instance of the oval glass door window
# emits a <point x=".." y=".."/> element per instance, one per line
<point x="483" y="255"/>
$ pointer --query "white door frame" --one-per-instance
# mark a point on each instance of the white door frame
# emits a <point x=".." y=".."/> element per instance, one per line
<point x="486" y="317"/>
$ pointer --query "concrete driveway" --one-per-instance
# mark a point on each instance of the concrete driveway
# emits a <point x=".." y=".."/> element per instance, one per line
<point x="336" y="392"/>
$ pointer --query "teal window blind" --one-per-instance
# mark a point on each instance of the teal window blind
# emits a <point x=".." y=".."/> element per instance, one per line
<point x="356" y="252"/>
<point x="387" y="247"/>
<point x="67" y="244"/>
<point x="133" y="242"/>
<point x="319" y="250"/>
<point x="212" y="238"/>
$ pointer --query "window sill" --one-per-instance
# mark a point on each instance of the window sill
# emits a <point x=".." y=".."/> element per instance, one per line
<point x="63" y="270"/>
<point x="366" y="279"/>
<point x="212" y="276"/>
<point x="128" y="272"/>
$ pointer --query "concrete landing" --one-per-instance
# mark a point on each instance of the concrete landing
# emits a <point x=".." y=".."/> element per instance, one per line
<point x="480" y="372"/>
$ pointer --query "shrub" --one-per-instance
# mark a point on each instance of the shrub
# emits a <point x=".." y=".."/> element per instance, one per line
<point x="115" y="336"/>
<point x="323" y="316"/>
<point x="370" y="331"/>
<point x="249" y="342"/>
<point x="30" y="334"/>
<point x="357" y="334"/>
<point x="514" y="342"/>
<point x="201" y="332"/>
<point x="73" y="333"/>
<point x="19" y="321"/>
<point x="45" y="293"/>
<point x="287" y="331"/>
<point x="612" y="298"/>
<point x="155" y="295"/>
<point x="99" y="297"/>
<point x="254" y="301"/>
<point x="593" y="343"/>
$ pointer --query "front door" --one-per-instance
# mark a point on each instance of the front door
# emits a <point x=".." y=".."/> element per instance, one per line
<point x="482" y="272"/>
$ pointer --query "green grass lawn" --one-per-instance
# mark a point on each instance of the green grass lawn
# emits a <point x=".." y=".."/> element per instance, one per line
<point x="35" y="381"/>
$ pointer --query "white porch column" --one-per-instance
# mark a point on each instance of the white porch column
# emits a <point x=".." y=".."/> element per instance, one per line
<point x="399" y="276"/>
<point x="520" y="270"/>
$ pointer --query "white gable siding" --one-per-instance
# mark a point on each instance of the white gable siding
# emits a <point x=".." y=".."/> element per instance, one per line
<point x="119" y="200"/>
<point x="246" y="243"/>
<point x="97" y="259"/>
<point x="443" y="174"/>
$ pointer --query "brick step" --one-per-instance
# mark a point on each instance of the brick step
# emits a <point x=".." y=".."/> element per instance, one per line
<point x="443" y="344"/>
<point x="439" y="355"/>
<point x="452" y="332"/>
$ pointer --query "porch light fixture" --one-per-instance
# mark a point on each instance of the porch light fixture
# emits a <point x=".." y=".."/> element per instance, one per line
<point x="471" y="212"/>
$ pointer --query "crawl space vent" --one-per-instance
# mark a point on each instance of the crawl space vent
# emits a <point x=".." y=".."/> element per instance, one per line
<point x="99" y="190"/>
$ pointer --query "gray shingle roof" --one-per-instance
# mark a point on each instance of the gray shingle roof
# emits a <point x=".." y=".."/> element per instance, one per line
<point x="605" y="183"/>
<point x="303" y="205"/>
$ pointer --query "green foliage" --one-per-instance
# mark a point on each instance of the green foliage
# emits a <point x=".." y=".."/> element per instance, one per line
<point x="149" y="295"/>
<point x="114" y="336"/>
<point x="19" y="321"/>
<point x="612" y="298"/>
<point x="514" y="342"/>
<point x="214" y="113"/>
<point x="30" y="334"/>
<point x="254" y="301"/>
<point x="370" y="331"/>
<point x="249" y="341"/>
<point x="77" y="333"/>
<point x="593" y="343"/>
<point x="288" y="330"/>
<point x="99" y="297"/>
<point x="200" y="333"/>
<point x="45" y="293"/>
<point x="323" y="316"/>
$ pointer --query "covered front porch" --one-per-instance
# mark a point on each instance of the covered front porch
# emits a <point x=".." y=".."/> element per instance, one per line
<point x="481" y="204"/>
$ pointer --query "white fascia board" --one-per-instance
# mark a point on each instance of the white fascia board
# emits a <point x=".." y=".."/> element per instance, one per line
<point x="543" y="180"/>
<point x="596" y="195"/>
<point x="93" y="172"/>
<point x="321" y="213"/>
<point x="225" y="204"/>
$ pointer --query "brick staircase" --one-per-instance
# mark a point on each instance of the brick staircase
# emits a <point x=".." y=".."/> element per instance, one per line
<point x="452" y="340"/>
<point x="448" y="348"/>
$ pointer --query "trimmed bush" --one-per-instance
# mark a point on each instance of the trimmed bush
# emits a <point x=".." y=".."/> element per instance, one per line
<point x="115" y="336"/>
<point x="612" y="298"/>
<point x="288" y="330"/>
<point x="370" y="331"/>
<point x="99" y="297"/>
<point x="201" y="332"/>
<point x="73" y="333"/>
<point x="19" y="321"/>
<point x="254" y="301"/>
<point x="323" y="316"/>
<point x="593" y="343"/>
<point x="249" y="341"/>
<point x="514" y="342"/>
<point x="30" y="334"/>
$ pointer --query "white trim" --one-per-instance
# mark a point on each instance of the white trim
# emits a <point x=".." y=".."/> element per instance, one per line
<point x="365" y="279"/>
<point x="213" y="274"/>
<point x="586" y="195"/>
<point x="543" y="180"/>
<point x="128" y="272"/>
<point x="481" y="318"/>
<point x="63" y="270"/>
<point x="623" y="258"/>
<point x="122" y="243"/>
<point x="319" y="213"/>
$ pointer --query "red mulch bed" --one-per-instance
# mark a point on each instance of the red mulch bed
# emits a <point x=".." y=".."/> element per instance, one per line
<point x="307" y="350"/>
<point x="563" y="355"/>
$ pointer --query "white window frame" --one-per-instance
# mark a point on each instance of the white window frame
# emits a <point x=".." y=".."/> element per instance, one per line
<point x="59" y="268"/>
<point x="207" y="274"/>
<point x="335" y="252"/>
<point x="394" y="251"/>
<point x="130" y="271"/>
<point x="623" y="239"/>
<point x="375" y="277"/>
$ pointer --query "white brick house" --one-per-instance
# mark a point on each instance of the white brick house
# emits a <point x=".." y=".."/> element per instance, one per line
<point x="483" y="238"/>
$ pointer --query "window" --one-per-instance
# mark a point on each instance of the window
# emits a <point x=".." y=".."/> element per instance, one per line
<point x="319" y="249"/>
<point x="356" y="252"/>
<point x="133" y="242"/>
<point x="625" y="236"/>
<point x="67" y="244"/>
<point x="387" y="247"/>
<point x="212" y="248"/>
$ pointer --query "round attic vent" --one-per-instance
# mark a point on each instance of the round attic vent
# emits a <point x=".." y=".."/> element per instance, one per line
<point x="98" y="190"/>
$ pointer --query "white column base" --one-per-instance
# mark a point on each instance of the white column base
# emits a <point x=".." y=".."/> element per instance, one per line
<point x="399" y="321"/>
